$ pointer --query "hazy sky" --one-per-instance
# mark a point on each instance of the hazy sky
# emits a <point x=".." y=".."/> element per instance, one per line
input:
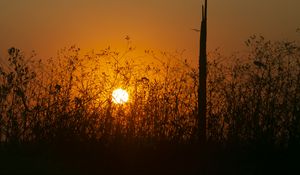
<point x="48" y="25"/>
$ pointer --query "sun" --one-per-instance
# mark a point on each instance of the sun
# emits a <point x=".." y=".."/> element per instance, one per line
<point x="120" y="96"/>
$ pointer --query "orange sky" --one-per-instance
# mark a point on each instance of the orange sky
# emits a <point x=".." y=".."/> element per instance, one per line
<point x="48" y="25"/>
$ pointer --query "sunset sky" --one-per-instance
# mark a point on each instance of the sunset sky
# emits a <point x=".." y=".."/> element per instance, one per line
<point x="49" y="25"/>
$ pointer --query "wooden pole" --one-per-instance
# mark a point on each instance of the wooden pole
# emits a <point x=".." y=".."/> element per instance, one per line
<point x="202" y="77"/>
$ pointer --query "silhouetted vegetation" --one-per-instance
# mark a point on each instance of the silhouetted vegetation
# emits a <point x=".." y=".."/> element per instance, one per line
<point x="69" y="99"/>
<point x="252" y="100"/>
<point x="256" y="100"/>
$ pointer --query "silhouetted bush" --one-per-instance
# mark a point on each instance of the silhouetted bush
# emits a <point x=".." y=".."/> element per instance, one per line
<point x="256" y="99"/>
<point x="253" y="100"/>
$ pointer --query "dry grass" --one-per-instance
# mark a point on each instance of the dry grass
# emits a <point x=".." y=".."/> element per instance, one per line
<point x="68" y="98"/>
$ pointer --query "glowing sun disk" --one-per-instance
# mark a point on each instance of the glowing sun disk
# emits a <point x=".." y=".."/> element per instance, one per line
<point x="120" y="96"/>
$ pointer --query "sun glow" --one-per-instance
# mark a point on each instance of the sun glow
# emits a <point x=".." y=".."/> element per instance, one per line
<point x="120" y="96"/>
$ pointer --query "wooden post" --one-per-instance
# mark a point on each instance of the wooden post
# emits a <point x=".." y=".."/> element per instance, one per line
<point x="202" y="77"/>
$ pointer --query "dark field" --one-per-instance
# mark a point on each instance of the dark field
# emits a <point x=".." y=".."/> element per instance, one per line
<point x="159" y="159"/>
